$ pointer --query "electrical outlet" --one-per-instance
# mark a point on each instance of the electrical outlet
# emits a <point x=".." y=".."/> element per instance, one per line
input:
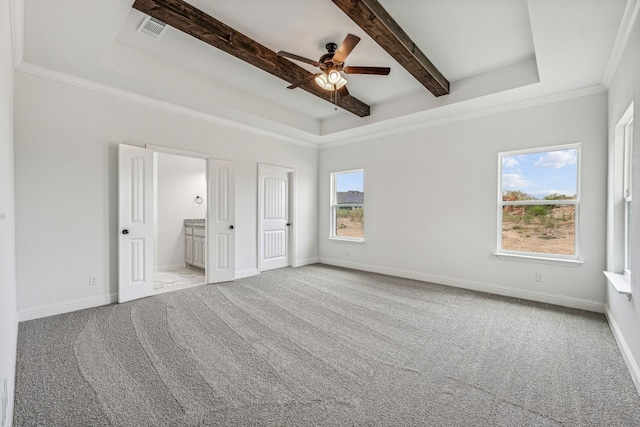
<point x="93" y="280"/>
<point x="539" y="277"/>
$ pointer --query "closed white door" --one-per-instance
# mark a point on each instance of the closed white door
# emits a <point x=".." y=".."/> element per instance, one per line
<point x="135" y="223"/>
<point x="274" y="218"/>
<point x="221" y="265"/>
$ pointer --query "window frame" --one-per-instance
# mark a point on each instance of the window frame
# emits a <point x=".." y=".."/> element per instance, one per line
<point x="620" y="162"/>
<point x="627" y="159"/>
<point x="561" y="259"/>
<point x="334" y="208"/>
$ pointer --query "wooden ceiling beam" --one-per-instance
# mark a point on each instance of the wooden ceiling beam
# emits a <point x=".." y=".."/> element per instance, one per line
<point x="192" y="21"/>
<point x="377" y="23"/>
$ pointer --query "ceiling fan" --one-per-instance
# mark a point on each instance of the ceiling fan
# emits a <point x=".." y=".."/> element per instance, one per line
<point x="331" y="65"/>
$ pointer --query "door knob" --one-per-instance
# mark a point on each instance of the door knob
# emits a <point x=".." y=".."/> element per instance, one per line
<point x="288" y="224"/>
<point x="231" y="227"/>
<point x="125" y="231"/>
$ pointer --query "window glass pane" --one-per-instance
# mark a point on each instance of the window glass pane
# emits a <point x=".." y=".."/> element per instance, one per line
<point x="350" y="188"/>
<point x="627" y="235"/>
<point x="548" y="174"/>
<point x="350" y="222"/>
<point x="349" y="201"/>
<point x="628" y="153"/>
<point x="539" y="228"/>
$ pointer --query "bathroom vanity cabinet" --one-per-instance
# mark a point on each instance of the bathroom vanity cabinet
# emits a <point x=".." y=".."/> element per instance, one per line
<point x="195" y="244"/>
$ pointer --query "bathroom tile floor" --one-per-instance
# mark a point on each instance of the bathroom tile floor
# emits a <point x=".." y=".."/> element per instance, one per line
<point x="181" y="278"/>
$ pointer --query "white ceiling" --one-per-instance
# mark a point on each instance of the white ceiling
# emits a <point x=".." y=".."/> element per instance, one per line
<point x="494" y="53"/>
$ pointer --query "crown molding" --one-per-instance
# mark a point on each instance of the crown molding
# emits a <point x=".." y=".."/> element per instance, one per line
<point x="311" y="141"/>
<point x="629" y="19"/>
<point x="60" y="77"/>
<point x="474" y="114"/>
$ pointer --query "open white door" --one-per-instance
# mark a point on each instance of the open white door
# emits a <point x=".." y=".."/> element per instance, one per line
<point x="221" y="265"/>
<point x="273" y="205"/>
<point x="135" y="223"/>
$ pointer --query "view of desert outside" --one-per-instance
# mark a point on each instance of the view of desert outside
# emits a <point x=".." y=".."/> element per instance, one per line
<point x="350" y="201"/>
<point x="549" y="176"/>
<point x="539" y="228"/>
<point x="350" y="223"/>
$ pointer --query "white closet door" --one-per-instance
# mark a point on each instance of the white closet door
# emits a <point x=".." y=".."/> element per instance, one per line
<point x="274" y="218"/>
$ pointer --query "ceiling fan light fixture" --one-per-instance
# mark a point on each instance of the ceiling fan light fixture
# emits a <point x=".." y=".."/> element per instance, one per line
<point x="323" y="82"/>
<point x="331" y="81"/>
<point x="333" y="76"/>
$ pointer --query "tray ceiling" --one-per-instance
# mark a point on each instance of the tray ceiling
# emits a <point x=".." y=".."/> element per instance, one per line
<point x="494" y="53"/>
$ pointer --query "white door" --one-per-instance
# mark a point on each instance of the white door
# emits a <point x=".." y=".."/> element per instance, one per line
<point x="274" y="218"/>
<point x="135" y="223"/>
<point x="221" y="265"/>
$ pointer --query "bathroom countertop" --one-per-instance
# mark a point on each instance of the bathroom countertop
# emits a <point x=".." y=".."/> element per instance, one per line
<point x="194" y="222"/>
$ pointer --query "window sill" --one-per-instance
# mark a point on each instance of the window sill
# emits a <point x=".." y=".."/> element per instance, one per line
<point x="620" y="282"/>
<point x="538" y="259"/>
<point x="346" y="240"/>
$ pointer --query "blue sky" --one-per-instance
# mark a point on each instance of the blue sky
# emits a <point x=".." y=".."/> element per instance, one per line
<point x="541" y="174"/>
<point x="350" y="182"/>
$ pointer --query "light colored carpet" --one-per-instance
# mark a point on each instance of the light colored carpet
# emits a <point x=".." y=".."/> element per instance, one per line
<point x="319" y="345"/>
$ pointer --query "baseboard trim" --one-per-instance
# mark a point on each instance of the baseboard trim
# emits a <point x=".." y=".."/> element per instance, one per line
<point x="306" y="261"/>
<point x="241" y="274"/>
<point x="65" y="307"/>
<point x="583" y="304"/>
<point x="632" y="365"/>
<point x="46" y="310"/>
<point x="562" y="300"/>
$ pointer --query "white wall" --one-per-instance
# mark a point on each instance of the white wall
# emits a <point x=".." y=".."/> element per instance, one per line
<point x="180" y="180"/>
<point x="625" y="315"/>
<point x="431" y="202"/>
<point x="8" y="309"/>
<point x="66" y="142"/>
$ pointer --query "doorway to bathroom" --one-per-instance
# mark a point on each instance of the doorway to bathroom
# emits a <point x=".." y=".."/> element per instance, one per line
<point x="138" y="219"/>
<point x="180" y="186"/>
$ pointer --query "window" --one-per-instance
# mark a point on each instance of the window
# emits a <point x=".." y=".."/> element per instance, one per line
<point x="538" y="202"/>
<point x="619" y="206"/>
<point x="347" y="205"/>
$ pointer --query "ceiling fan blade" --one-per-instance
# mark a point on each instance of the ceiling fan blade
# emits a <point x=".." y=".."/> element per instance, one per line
<point x="381" y="71"/>
<point x="303" y="81"/>
<point x="343" y="91"/>
<point x="298" y="58"/>
<point x="345" y="48"/>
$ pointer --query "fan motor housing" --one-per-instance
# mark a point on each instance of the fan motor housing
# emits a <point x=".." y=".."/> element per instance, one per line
<point x="326" y="60"/>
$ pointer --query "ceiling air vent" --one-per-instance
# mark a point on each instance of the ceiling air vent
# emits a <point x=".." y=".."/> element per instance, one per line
<point x="152" y="27"/>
